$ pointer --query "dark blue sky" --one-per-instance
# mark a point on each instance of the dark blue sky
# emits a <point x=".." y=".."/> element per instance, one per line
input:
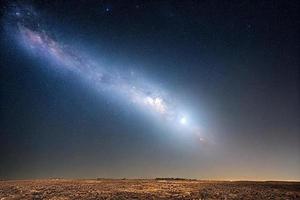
<point x="235" y="65"/>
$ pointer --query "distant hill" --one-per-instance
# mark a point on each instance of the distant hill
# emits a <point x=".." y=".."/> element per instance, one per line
<point x="175" y="179"/>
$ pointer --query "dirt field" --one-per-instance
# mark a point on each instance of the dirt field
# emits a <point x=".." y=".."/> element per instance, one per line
<point x="146" y="189"/>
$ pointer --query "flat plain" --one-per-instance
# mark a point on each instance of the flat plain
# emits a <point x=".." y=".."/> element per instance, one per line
<point x="146" y="189"/>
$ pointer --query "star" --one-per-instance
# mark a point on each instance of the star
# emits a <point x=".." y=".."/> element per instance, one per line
<point x="183" y="120"/>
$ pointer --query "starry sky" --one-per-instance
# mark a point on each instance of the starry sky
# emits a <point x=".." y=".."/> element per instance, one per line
<point x="145" y="89"/>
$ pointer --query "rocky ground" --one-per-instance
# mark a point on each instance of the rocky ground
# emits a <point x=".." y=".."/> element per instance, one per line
<point x="146" y="189"/>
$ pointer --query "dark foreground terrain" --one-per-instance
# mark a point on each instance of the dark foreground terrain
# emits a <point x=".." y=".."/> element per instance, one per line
<point x="146" y="189"/>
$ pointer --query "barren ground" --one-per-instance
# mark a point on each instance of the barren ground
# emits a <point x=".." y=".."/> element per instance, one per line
<point x="146" y="189"/>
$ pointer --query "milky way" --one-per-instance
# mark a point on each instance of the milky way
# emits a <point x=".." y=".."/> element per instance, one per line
<point x="140" y="93"/>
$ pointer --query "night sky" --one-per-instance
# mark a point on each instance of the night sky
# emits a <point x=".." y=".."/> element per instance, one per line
<point x="193" y="89"/>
